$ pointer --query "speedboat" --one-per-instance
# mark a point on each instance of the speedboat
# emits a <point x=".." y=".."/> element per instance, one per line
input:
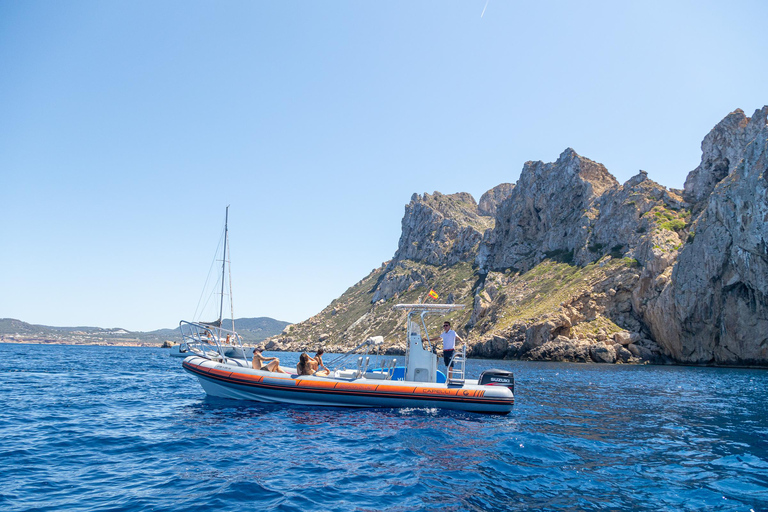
<point x="359" y="378"/>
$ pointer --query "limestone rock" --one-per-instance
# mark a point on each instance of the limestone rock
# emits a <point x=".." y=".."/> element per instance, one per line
<point x="602" y="353"/>
<point x="641" y="352"/>
<point x="489" y="202"/>
<point x="722" y="150"/>
<point x="536" y="335"/>
<point x="561" y="349"/>
<point x="622" y="338"/>
<point x="496" y="347"/>
<point x="546" y="212"/>
<point x="440" y="229"/>
<point x="622" y="354"/>
<point x="715" y="307"/>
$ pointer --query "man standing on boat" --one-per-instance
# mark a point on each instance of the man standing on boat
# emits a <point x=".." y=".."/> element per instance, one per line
<point x="449" y="338"/>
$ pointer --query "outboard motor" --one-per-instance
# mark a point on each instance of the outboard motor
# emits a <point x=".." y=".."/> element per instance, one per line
<point x="496" y="377"/>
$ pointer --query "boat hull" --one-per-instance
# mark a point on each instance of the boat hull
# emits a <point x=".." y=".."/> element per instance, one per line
<point x="230" y="381"/>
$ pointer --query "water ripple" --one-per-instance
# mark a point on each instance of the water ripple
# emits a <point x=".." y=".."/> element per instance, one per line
<point x="124" y="429"/>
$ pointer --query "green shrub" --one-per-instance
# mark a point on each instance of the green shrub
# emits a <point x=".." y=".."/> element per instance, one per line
<point x="631" y="262"/>
<point x="673" y="225"/>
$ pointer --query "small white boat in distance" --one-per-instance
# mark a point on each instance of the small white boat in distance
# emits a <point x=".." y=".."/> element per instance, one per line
<point x="365" y="384"/>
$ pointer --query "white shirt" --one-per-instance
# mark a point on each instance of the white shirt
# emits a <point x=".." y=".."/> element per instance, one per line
<point x="449" y="339"/>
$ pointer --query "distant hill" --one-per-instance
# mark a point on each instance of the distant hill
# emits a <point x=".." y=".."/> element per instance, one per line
<point x="252" y="330"/>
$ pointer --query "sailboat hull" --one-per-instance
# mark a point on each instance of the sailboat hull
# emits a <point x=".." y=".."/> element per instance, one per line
<point x="228" y="350"/>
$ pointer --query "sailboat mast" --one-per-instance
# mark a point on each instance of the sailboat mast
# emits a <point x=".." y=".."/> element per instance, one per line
<point x="223" y="266"/>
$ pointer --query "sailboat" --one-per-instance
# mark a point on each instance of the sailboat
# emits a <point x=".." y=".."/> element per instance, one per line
<point x="211" y="338"/>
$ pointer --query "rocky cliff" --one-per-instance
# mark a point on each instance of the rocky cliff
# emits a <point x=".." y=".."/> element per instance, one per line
<point x="714" y="306"/>
<point x="568" y="264"/>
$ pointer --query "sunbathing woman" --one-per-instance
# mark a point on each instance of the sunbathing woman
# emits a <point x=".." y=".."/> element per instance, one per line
<point x="317" y="363"/>
<point x="259" y="360"/>
<point x="304" y="367"/>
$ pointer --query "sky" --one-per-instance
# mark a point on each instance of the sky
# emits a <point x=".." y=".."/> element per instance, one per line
<point x="127" y="127"/>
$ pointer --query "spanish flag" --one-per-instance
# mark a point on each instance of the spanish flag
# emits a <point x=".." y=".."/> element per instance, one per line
<point x="433" y="294"/>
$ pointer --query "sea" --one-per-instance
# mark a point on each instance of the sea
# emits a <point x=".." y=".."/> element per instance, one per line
<point x="87" y="428"/>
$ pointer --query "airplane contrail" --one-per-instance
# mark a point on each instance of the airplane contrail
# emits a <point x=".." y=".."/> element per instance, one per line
<point x="484" y="8"/>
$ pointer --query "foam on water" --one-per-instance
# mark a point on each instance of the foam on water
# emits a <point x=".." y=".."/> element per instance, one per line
<point x="113" y="428"/>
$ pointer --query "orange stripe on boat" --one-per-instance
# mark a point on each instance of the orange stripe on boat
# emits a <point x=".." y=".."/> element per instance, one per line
<point x="255" y="378"/>
<point x="388" y="388"/>
<point x="306" y="383"/>
<point x="356" y="387"/>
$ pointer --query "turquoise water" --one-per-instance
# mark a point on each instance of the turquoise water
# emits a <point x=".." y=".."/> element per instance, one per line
<point x="114" y="428"/>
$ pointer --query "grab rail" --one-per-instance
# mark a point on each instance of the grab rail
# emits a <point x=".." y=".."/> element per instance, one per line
<point x="453" y="370"/>
<point x="205" y="340"/>
<point x="336" y="363"/>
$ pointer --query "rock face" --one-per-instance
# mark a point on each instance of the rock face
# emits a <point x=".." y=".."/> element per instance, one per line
<point x="437" y="230"/>
<point x="490" y="201"/>
<point x="440" y="229"/>
<point x="722" y="150"/>
<point x="570" y="265"/>
<point x="636" y="220"/>
<point x="714" y="309"/>
<point x="548" y="211"/>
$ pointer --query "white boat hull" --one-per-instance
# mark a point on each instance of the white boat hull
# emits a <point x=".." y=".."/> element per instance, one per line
<point x="231" y="381"/>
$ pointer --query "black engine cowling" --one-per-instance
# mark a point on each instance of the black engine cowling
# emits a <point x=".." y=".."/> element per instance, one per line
<point x="498" y="378"/>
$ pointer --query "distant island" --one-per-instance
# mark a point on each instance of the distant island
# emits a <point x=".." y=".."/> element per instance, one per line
<point x="252" y="330"/>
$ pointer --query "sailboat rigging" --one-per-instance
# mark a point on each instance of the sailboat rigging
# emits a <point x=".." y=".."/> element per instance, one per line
<point x="200" y="337"/>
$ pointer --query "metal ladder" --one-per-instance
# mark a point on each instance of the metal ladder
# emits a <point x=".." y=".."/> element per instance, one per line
<point x="458" y="361"/>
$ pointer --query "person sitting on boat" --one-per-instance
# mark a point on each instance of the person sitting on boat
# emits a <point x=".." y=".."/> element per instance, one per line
<point x="304" y="366"/>
<point x="449" y="338"/>
<point x="259" y="361"/>
<point x="317" y="362"/>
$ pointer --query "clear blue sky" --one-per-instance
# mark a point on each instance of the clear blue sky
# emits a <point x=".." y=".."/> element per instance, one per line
<point x="126" y="127"/>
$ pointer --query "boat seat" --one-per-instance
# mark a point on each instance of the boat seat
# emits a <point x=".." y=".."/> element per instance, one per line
<point x="346" y="374"/>
<point x="376" y="375"/>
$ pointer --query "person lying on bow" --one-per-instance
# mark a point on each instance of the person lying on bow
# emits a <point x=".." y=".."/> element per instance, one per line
<point x="259" y="361"/>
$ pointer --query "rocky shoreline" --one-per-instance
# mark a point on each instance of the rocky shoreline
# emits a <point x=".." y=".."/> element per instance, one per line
<point x="560" y="349"/>
<point x="41" y="341"/>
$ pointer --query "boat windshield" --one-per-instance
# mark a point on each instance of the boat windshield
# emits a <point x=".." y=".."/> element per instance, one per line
<point x="413" y="328"/>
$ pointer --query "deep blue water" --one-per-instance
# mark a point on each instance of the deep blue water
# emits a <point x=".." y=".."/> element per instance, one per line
<point x="114" y="428"/>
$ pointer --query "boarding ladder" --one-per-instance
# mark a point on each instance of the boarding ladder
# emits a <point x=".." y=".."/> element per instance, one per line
<point x="458" y="365"/>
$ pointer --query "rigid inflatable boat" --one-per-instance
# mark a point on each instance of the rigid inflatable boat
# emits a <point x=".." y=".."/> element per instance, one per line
<point x="365" y="385"/>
